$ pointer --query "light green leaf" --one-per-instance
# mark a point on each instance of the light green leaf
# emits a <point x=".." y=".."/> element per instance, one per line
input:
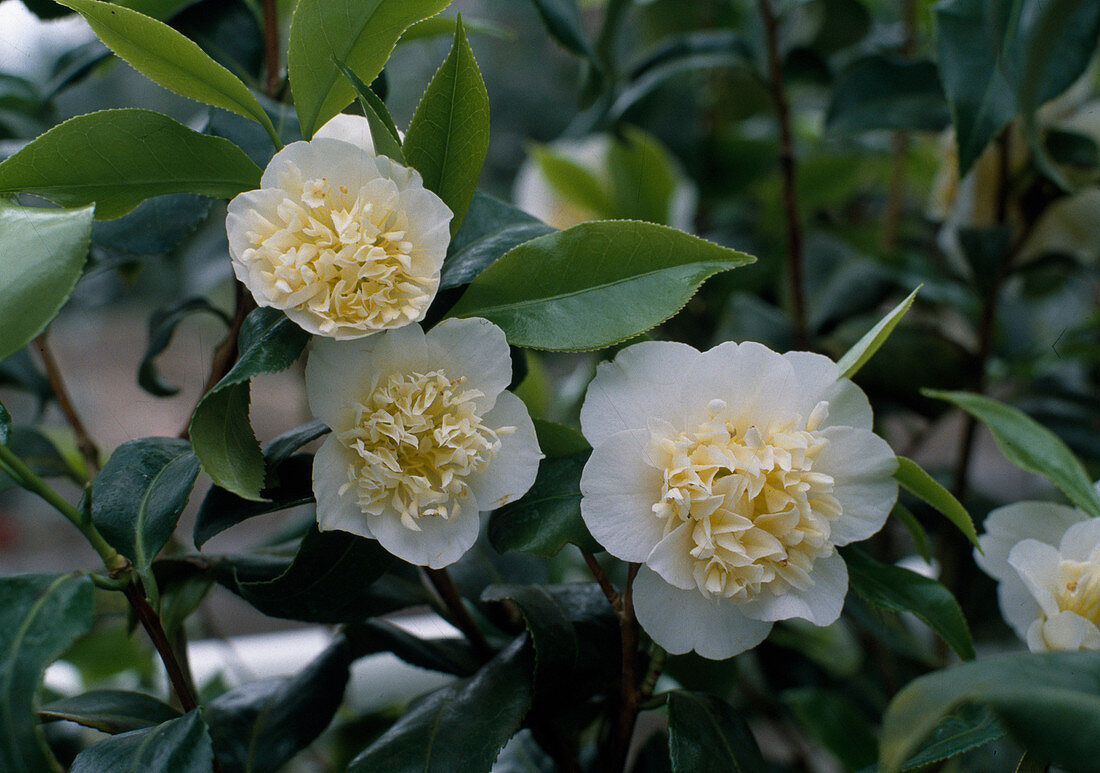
<point x="220" y="430"/>
<point x="166" y="57"/>
<point x="448" y="136"/>
<point x="920" y="484"/>
<point x="643" y="177"/>
<point x="865" y="348"/>
<point x="594" y="284"/>
<point x="42" y="253"/>
<point x="383" y="132"/>
<point x="178" y="745"/>
<point x="445" y="25"/>
<point x="119" y="158"/>
<point x="705" y="735"/>
<point x="359" y="33"/>
<point x="573" y="182"/>
<point x="1029" y="445"/>
<point x="40" y="617"/>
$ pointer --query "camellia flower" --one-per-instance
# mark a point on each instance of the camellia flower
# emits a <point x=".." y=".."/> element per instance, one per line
<point x="1046" y="560"/>
<point x="424" y="436"/>
<point x="732" y="474"/>
<point x="347" y="243"/>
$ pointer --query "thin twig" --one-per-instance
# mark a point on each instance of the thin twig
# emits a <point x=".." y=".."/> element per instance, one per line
<point x="790" y="177"/>
<point x="627" y="713"/>
<point x="226" y="353"/>
<point x="460" y="616"/>
<point x="271" y="48"/>
<point x="895" y="202"/>
<point x="149" y="620"/>
<point x="601" y="577"/>
<point x="88" y="449"/>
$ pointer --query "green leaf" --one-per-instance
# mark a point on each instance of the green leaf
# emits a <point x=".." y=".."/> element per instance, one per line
<point x="179" y="745"/>
<point x="445" y="25"/>
<point x="383" y="131"/>
<point x="110" y="711"/>
<point x="5" y="425"/>
<point x="42" y="253"/>
<point x="900" y="590"/>
<point x="162" y="324"/>
<point x="705" y="735"/>
<point x="450" y="656"/>
<point x="643" y="177"/>
<point x="220" y="429"/>
<point x="460" y="727"/>
<point x="594" y="284"/>
<point x="489" y="230"/>
<point x="557" y="440"/>
<point x="835" y="722"/>
<point x="573" y="182"/>
<point x="138" y="496"/>
<point x="448" y="136"/>
<point x="259" y="727"/>
<point x="1049" y="703"/>
<point x="166" y="57"/>
<point x="865" y="348"/>
<point x="563" y="21"/>
<point x="40" y="617"/>
<point x="155" y="227"/>
<point x="359" y="33"/>
<point x="919" y="483"/>
<point x="956" y="734"/>
<point x="119" y="158"/>
<point x="878" y="92"/>
<point x="1029" y="445"/>
<point x="548" y="516"/>
<point x="916" y="531"/>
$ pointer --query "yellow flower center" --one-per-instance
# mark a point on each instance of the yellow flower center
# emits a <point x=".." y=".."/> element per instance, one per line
<point x="416" y="438"/>
<point x="341" y="254"/>
<point x="760" y="513"/>
<point x="1078" y="588"/>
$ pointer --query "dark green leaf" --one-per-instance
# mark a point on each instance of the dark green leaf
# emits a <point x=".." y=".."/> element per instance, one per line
<point x="220" y="429"/>
<point x="281" y="448"/>
<point x="557" y="440"/>
<point x="956" y="734"/>
<point x="1029" y="445"/>
<point x="43" y="456"/>
<point x="916" y="481"/>
<point x="111" y="711"/>
<point x="877" y="92"/>
<point x="916" y="531"/>
<point x="705" y="735"/>
<point x="900" y="590"/>
<point x="448" y="136"/>
<point x="5" y="425"/>
<point x="1049" y="702"/>
<point x="179" y="745"/>
<point x="40" y="617"/>
<point x="865" y="348"/>
<point x="1073" y="149"/>
<point x="162" y="324"/>
<point x="19" y="372"/>
<point x="42" y="253"/>
<point x="460" y="727"/>
<point x="155" y="227"/>
<point x="489" y="230"/>
<point x="563" y="22"/>
<point x="451" y="656"/>
<point x="384" y="135"/>
<point x="830" y="25"/>
<point x="359" y="34"/>
<point x="835" y="722"/>
<point x="248" y="136"/>
<point x="594" y="284"/>
<point x="548" y="516"/>
<point x="119" y="158"/>
<point x="259" y="727"/>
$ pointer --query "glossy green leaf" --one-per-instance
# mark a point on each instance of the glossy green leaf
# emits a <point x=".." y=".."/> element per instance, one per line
<point x="866" y="347"/>
<point x="548" y="516"/>
<point x="490" y="228"/>
<point x="1029" y="445"/>
<point x="705" y="735"/>
<point x="460" y="727"/>
<point x="119" y="158"/>
<point x="877" y="92"/>
<point x="359" y="33"/>
<point x="42" y="253"/>
<point x="162" y="324"/>
<point x="594" y="284"/>
<point x="220" y="429"/>
<point x="900" y="590"/>
<point x="179" y="745"/>
<point x="259" y="727"/>
<point x="1049" y="702"/>
<point x="40" y="617"/>
<point x="383" y="131"/>
<point x="110" y="711"/>
<point x="450" y="656"/>
<point x="448" y="136"/>
<point x="959" y="733"/>
<point x="916" y="481"/>
<point x="166" y="57"/>
<point x="835" y="722"/>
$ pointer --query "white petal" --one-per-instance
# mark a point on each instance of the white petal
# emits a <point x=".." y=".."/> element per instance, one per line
<point x="862" y="466"/>
<point x="1081" y="540"/>
<point x="756" y="383"/>
<point x="818" y="379"/>
<point x="671" y="559"/>
<point x="1065" y="631"/>
<point x="820" y="603"/>
<point x="639" y="384"/>
<point x="684" y="620"/>
<point x="476" y="350"/>
<point x="1018" y="607"/>
<point x="1006" y="526"/>
<point x="339" y="162"/>
<point x="354" y="129"/>
<point x="440" y="541"/>
<point x="336" y="511"/>
<point x="512" y="470"/>
<point x="1037" y="564"/>
<point x="247" y="213"/>
<point x="618" y="491"/>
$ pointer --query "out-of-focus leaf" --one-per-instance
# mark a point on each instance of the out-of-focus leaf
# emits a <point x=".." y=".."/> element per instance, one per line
<point x="438" y="26"/>
<point x="111" y="711"/>
<point x="877" y="92"/>
<point x="573" y="181"/>
<point x="829" y="25"/>
<point x="834" y="722"/>
<point x="249" y="136"/>
<point x="5" y="425"/>
<point x="956" y="734"/>
<point x="162" y="324"/>
<point x="179" y="745"/>
<point x="643" y="177"/>
<point x="557" y="440"/>
<point x="563" y="21"/>
<point x="705" y="735"/>
<point x="916" y="481"/>
<point x="40" y="617"/>
<point x="866" y="347"/>
<point x="42" y="253"/>
<point x="916" y="531"/>
<point x="489" y="230"/>
<point x="155" y="227"/>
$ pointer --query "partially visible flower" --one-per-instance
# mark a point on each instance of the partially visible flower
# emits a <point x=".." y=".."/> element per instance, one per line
<point x="424" y="436"/>
<point x="1046" y="561"/>
<point x="733" y="475"/>
<point x="347" y="243"/>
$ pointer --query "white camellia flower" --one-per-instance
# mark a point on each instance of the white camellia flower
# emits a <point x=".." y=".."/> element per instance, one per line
<point x="424" y="436"/>
<point x="345" y="242"/>
<point x="1046" y="561"/>
<point x="732" y="474"/>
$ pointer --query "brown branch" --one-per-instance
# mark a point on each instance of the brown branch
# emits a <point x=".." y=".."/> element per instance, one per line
<point x="629" y="697"/>
<point x="88" y="449"/>
<point x="149" y="620"/>
<point x="460" y="616"/>
<point x="789" y="173"/>
<point x="271" y="48"/>
<point x="601" y="577"/>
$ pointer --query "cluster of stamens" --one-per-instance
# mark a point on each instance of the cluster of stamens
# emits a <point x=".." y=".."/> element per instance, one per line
<point x="1078" y="589"/>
